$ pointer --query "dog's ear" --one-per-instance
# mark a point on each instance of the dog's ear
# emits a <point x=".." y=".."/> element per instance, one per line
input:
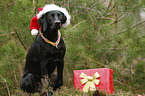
<point x="43" y="22"/>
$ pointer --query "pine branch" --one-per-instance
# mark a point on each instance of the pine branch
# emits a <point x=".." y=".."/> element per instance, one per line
<point x="7" y="34"/>
<point x="20" y="39"/>
<point x="131" y="27"/>
<point x="5" y="81"/>
<point x="78" y="24"/>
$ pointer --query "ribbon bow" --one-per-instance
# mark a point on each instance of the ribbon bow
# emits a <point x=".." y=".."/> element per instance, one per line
<point x="89" y="81"/>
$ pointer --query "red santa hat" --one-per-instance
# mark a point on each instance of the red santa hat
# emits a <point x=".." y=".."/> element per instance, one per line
<point x="34" y="27"/>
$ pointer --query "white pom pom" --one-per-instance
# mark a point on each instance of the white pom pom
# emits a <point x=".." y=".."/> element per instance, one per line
<point x="34" y="32"/>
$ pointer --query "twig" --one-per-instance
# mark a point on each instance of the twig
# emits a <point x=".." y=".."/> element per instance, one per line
<point x="105" y="18"/>
<point x="68" y="5"/>
<point x="20" y="39"/>
<point x="34" y="5"/>
<point x="69" y="35"/>
<point x="22" y="94"/>
<point x="119" y="18"/>
<point x="98" y="3"/>
<point x="52" y="1"/>
<point x="118" y="48"/>
<point x="78" y="24"/>
<point x="131" y="27"/>
<point x="3" y="34"/>
<point x="95" y="61"/>
<point x="109" y="4"/>
<point x="15" y="77"/>
<point x="5" y="81"/>
<point x="8" y="34"/>
<point x="84" y="8"/>
<point x="118" y="81"/>
<point x="102" y="64"/>
<point x="20" y="69"/>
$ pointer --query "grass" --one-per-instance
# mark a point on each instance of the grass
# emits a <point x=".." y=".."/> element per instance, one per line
<point x="70" y="91"/>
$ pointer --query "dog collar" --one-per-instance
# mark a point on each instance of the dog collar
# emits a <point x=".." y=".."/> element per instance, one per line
<point x="52" y="43"/>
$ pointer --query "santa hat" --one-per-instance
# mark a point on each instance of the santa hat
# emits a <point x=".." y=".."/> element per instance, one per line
<point x="34" y="27"/>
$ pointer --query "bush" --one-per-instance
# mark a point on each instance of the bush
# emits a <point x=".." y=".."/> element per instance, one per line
<point x="12" y="57"/>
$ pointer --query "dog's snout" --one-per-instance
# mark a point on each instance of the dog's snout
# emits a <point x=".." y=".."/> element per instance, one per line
<point x="57" y="22"/>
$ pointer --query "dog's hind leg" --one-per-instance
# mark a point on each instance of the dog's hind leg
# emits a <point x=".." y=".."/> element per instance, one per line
<point x="30" y="83"/>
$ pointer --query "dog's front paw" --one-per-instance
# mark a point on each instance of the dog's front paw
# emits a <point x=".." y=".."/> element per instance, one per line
<point x="49" y="93"/>
<point x="57" y="85"/>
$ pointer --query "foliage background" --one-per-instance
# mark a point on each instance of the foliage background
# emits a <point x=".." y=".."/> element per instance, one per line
<point x="102" y="34"/>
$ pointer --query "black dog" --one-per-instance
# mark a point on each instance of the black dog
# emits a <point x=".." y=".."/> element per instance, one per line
<point x="43" y="58"/>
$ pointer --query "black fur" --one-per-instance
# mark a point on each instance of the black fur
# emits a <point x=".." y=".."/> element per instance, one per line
<point x="43" y="58"/>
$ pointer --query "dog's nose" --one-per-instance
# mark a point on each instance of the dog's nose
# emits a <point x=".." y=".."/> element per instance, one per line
<point x="57" y="22"/>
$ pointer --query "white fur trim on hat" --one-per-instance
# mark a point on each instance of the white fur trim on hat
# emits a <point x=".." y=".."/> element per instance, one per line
<point x="34" y="32"/>
<point x="52" y="7"/>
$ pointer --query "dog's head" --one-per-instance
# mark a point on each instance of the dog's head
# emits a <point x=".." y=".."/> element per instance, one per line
<point x="52" y="20"/>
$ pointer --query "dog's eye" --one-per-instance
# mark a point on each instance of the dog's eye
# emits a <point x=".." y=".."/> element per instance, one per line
<point x="60" y="16"/>
<point x="50" y="17"/>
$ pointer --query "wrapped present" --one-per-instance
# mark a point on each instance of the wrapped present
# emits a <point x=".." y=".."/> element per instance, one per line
<point x="91" y="79"/>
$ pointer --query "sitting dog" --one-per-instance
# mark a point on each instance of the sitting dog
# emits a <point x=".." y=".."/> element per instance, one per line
<point x="47" y="51"/>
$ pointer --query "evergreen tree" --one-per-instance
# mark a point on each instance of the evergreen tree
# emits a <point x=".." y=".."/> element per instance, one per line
<point x="102" y="34"/>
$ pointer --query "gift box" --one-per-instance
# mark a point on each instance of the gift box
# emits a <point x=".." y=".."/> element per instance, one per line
<point x="92" y="79"/>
